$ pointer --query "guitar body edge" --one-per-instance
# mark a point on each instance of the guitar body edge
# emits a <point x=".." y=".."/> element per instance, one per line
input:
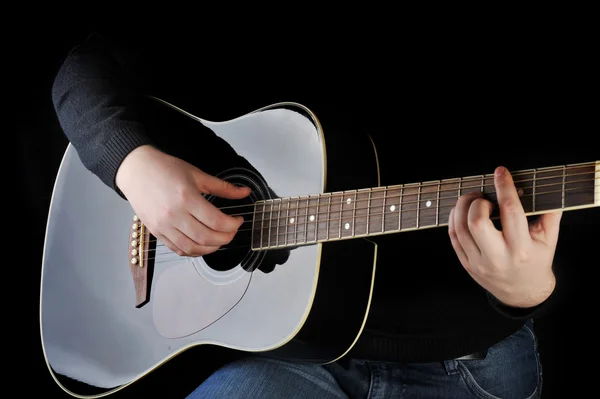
<point x="347" y="267"/>
<point x="319" y="323"/>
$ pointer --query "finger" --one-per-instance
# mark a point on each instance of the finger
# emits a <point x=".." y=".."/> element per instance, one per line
<point x="461" y="225"/>
<point x="515" y="227"/>
<point x="210" y="184"/>
<point x="460" y="252"/>
<point x="546" y="228"/>
<point x="210" y="216"/>
<point x="187" y="245"/>
<point x="201" y="234"/>
<point x="489" y="240"/>
<point x="169" y="244"/>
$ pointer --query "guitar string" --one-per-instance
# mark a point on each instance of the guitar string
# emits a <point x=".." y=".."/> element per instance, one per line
<point x="457" y="180"/>
<point x="382" y="189"/>
<point x="316" y="231"/>
<point x="401" y="204"/>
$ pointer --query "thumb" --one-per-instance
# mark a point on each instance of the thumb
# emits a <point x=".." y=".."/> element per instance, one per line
<point x="209" y="184"/>
<point x="546" y="228"/>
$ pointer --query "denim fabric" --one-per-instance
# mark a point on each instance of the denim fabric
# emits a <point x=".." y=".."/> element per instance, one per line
<point x="511" y="370"/>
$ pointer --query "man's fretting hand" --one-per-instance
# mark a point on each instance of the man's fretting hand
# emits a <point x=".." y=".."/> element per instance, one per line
<point x="166" y="194"/>
<point x="515" y="264"/>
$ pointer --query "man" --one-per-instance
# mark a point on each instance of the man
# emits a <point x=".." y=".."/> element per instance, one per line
<point x="451" y="314"/>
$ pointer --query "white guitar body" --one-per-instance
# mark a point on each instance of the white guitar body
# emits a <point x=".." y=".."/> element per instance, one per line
<point x="91" y="329"/>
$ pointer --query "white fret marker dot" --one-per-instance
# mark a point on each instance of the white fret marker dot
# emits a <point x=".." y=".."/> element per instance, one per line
<point x="291" y="220"/>
<point x="428" y="204"/>
<point x="348" y="201"/>
<point x="347" y="226"/>
<point x="312" y="217"/>
<point x="393" y="208"/>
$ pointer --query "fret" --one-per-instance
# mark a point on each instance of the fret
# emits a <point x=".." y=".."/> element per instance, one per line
<point x="341" y="215"/>
<point x="409" y="206"/>
<point x="291" y="222"/>
<point x="376" y="201"/>
<point x="306" y="221"/>
<point x="347" y="215"/>
<point x="418" y="204"/>
<point x="393" y="199"/>
<point x="334" y="216"/>
<point x="437" y="208"/>
<point x="323" y="217"/>
<point x="471" y="184"/>
<point x="383" y="211"/>
<point x="257" y="225"/>
<point x="311" y="216"/>
<point x="284" y="220"/>
<point x="328" y="214"/>
<point x="580" y="185"/>
<point x="362" y="212"/>
<point x="449" y="194"/>
<point x="354" y="215"/>
<point x="428" y="204"/>
<point x="564" y="180"/>
<point x="400" y="207"/>
<point x="369" y="209"/>
<point x="276" y="221"/>
<point x="549" y="189"/>
<point x="524" y="184"/>
<point x="533" y="191"/>
<point x="268" y="224"/>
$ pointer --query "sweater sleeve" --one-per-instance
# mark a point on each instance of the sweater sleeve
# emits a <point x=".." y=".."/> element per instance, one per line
<point x="98" y="108"/>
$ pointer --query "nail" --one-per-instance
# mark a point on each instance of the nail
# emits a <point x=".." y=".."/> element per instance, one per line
<point x="499" y="171"/>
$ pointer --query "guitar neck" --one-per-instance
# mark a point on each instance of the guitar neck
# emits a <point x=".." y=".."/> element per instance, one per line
<point x="294" y="221"/>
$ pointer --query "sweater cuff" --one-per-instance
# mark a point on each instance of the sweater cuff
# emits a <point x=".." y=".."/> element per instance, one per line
<point x="515" y="313"/>
<point x="115" y="150"/>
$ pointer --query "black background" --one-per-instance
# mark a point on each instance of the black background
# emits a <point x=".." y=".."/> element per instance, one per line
<point x="519" y="102"/>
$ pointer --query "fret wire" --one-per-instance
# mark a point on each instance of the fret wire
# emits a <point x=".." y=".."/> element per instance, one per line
<point x="262" y="226"/>
<point x="383" y="214"/>
<point x="460" y="187"/>
<point x="328" y="214"/>
<point x="418" y="205"/>
<point x="278" y="221"/>
<point x="317" y="218"/>
<point x="270" y="219"/>
<point x="564" y="178"/>
<point x="354" y="214"/>
<point x="482" y="182"/>
<point x="296" y="221"/>
<point x="437" y="208"/>
<point x="400" y="208"/>
<point x="369" y="209"/>
<point x="287" y="218"/>
<point x="341" y="208"/>
<point x="533" y="191"/>
<point x="306" y="220"/>
<point x="253" y="224"/>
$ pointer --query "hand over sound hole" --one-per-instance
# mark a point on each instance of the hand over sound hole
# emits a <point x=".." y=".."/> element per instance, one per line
<point x="238" y="251"/>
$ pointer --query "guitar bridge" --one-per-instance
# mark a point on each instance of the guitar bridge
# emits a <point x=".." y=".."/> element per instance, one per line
<point x="138" y="261"/>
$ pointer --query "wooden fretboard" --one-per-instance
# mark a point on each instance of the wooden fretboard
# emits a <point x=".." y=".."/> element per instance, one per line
<point x="303" y="220"/>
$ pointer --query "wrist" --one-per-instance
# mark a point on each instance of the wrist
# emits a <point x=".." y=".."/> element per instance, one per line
<point x="530" y="296"/>
<point x="132" y="165"/>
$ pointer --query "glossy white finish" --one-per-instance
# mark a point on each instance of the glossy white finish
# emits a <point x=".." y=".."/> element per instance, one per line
<point x="90" y="328"/>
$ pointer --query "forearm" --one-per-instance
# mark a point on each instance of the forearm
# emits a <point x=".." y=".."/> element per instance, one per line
<point x="98" y="108"/>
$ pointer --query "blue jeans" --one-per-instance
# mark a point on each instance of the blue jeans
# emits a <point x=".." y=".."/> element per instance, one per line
<point x="510" y="370"/>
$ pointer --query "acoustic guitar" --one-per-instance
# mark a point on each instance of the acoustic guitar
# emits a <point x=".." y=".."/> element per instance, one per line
<point x="116" y="304"/>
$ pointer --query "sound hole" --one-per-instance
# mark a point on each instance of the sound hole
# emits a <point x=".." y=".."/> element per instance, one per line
<point x="238" y="251"/>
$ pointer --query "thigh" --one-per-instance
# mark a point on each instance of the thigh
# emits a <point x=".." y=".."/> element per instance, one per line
<point x="511" y="368"/>
<point x="258" y="377"/>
